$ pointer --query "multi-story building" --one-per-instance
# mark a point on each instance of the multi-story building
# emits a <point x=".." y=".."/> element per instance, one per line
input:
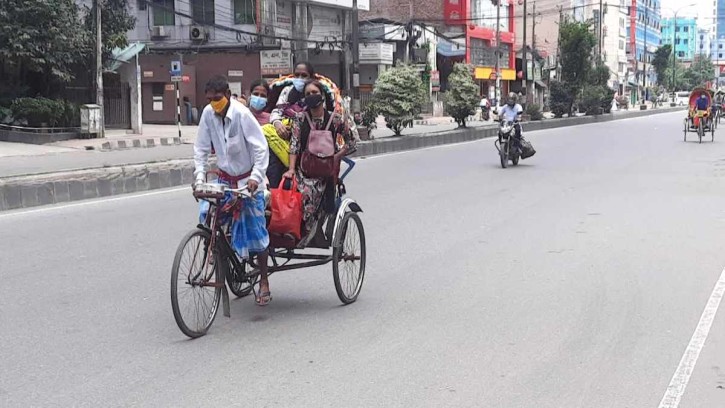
<point x="643" y="38"/>
<point x="465" y="33"/>
<point x="475" y="24"/>
<point x="685" y="36"/>
<point x="704" y="41"/>
<point x="242" y="39"/>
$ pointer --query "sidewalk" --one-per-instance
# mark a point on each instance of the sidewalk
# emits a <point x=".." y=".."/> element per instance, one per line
<point x="28" y="181"/>
<point x="17" y="159"/>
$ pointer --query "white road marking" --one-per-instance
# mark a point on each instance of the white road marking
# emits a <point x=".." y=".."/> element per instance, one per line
<point x="52" y="207"/>
<point x="682" y="375"/>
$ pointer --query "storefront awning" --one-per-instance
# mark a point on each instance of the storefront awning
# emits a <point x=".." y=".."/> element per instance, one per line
<point x="451" y="49"/>
<point x="120" y="56"/>
<point x="485" y="74"/>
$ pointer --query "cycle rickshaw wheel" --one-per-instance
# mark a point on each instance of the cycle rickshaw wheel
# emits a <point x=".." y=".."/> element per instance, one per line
<point x="348" y="258"/>
<point x="686" y="126"/>
<point x="239" y="287"/>
<point x="195" y="289"/>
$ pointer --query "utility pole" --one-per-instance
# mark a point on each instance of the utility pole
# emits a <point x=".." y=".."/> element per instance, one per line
<point x="533" y="51"/>
<point x="601" y="18"/>
<point x="644" y="62"/>
<point x="99" y="66"/>
<point x="409" y="29"/>
<point x="524" y="60"/>
<point x="558" y="44"/>
<point x="355" y="59"/>
<point x="498" y="52"/>
<point x="674" y="61"/>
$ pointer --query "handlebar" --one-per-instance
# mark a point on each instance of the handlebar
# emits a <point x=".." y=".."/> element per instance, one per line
<point x="217" y="191"/>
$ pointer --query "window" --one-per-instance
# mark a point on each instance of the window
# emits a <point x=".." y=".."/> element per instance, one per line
<point x="164" y="12"/>
<point x="245" y="11"/>
<point x="686" y="29"/>
<point x="621" y="44"/>
<point x="719" y="55"/>
<point x="203" y="11"/>
<point x="686" y="41"/>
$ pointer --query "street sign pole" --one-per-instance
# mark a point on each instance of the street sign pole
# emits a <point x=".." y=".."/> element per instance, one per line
<point x="176" y="78"/>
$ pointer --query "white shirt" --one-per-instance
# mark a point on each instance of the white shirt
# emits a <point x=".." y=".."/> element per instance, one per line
<point x="484" y="102"/>
<point x="238" y="141"/>
<point x="510" y="113"/>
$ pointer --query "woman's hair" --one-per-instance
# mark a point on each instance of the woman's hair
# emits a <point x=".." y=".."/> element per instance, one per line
<point x="259" y="82"/>
<point x="308" y="67"/>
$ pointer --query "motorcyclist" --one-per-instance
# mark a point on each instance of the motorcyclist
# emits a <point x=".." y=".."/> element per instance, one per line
<point x="511" y="112"/>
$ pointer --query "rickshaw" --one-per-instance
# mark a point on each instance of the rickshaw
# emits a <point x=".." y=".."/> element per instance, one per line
<point x="205" y="263"/>
<point x="700" y="121"/>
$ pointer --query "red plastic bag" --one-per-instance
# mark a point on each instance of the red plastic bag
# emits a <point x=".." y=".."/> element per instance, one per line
<point x="286" y="210"/>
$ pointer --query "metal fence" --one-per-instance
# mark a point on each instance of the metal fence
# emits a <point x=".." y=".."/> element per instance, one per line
<point x="116" y="103"/>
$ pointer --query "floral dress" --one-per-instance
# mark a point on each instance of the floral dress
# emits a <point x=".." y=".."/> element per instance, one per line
<point x="317" y="192"/>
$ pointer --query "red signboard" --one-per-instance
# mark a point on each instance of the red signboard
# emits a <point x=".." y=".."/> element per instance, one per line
<point x="454" y="11"/>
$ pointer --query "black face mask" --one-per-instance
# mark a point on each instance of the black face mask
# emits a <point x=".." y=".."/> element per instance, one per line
<point x="313" y="101"/>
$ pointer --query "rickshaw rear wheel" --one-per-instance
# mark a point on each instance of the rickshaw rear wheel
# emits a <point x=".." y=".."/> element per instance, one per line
<point x="348" y="258"/>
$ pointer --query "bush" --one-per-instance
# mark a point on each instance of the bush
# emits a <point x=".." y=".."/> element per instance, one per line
<point x="369" y="116"/>
<point x="43" y="112"/>
<point x="399" y="96"/>
<point x="462" y="98"/>
<point x="561" y="99"/>
<point x="596" y="99"/>
<point x="534" y="112"/>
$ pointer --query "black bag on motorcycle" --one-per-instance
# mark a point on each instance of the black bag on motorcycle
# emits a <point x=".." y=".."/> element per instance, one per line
<point x="527" y="150"/>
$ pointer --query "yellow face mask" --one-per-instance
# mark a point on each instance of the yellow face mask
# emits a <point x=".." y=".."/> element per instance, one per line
<point x="219" y="105"/>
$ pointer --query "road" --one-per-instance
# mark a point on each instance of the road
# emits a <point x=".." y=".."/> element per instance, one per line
<point x="574" y="280"/>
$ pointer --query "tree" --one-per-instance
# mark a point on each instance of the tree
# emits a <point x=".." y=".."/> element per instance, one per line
<point x="41" y="42"/>
<point x="701" y="71"/>
<point x="680" y="82"/>
<point x="577" y="46"/>
<point x="399" y="95"/>
<point x="662" y="60"/>
<point x="462" y="96"/>
<point x="115" y="23"/>
<point x="561" y="98"/>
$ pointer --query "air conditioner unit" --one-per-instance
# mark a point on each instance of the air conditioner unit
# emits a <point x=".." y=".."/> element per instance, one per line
<point x="159" y="32"/>
<point x="198" y="33"/>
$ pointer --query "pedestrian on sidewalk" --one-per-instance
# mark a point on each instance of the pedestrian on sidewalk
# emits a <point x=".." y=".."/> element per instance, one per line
<point x="242" y="159"/>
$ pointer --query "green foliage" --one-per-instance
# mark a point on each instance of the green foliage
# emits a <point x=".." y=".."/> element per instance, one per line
<point x="701" y="71"/>
<point x="577" y="45"/>
<point x="42" y="37"/>
<point x="534" y="111"/>
<point x="600" y="75"/>
<point x="399" y="95"/>
<point x="561" y="98"/>
<point x="116" y="22"/>
<point x="596" y="99"/>
<point x="369" y="116"/>
<point x="43" y="112"/>
<point x="662" y="59"/>
<point x="462" y="98"/>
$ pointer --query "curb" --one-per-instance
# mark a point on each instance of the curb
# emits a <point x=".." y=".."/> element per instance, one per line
<point x="54" y="188"/>
<point x="139" y="143"/>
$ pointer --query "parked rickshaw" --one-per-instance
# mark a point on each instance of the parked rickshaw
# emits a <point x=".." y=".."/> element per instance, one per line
<point x="700" y="121"/>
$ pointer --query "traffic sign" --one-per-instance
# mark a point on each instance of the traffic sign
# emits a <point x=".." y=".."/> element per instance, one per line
<point x="177" y="78"/>
<point x="175" y="68"/>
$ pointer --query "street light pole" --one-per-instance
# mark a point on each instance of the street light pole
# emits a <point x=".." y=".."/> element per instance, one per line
<point x="498" y="52"/>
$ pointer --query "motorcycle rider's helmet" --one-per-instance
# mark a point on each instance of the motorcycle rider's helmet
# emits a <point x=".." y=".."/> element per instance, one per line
<point x="511" y="99"/>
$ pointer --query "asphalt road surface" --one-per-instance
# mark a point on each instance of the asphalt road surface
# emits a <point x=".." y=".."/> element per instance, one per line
<point x="577" y="279"/>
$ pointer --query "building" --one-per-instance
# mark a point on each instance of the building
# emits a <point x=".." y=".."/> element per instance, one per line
<point x="704" y="41"/>
<point x="643" y="38"/>
<point x="685" y="36"/>
<point x="242" y="39"/>
<point x="470" y="35"/>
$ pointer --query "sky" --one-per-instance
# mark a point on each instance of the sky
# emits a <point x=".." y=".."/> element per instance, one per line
<point x="704" y="9"/>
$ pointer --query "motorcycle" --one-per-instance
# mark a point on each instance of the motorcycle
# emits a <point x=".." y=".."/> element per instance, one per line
<point x="506" y="144"/>
<point x="485" y="113"/>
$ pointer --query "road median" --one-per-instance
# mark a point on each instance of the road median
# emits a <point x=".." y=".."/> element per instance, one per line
<point x="53" y="188"/>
